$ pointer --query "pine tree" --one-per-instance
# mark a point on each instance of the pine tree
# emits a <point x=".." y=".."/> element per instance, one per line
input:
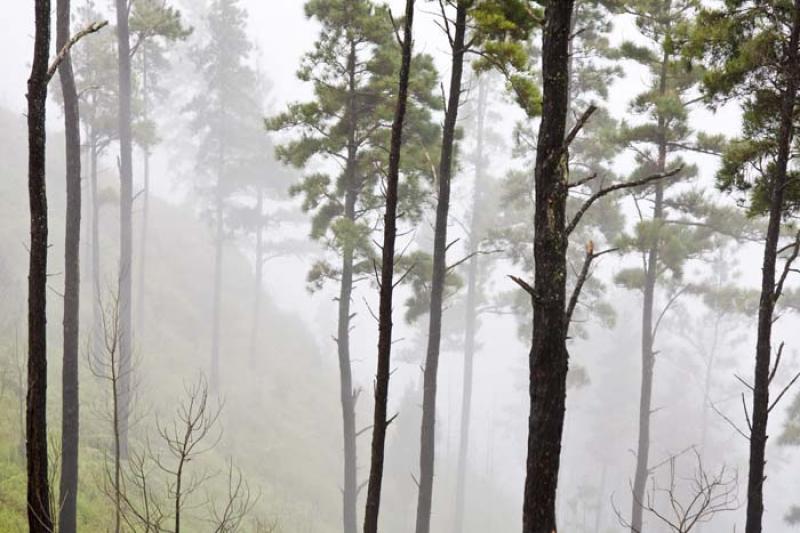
<point x="353" y="73"/>
<point x="155" y="26"/>
<point x="225" y="117"/>
<point x="751" y="50"/>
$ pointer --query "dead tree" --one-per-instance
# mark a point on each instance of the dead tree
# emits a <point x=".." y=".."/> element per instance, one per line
<point x="682" y="507"/>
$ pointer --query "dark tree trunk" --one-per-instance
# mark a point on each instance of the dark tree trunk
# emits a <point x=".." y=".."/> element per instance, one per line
<point x="470" y="327"/>
<point x="219" y="247"/>
<point x="347" y="393"/>
<point x="70" y="420"/>
<point x="380" y="422"/>
<point x="549" y="358"/>
<point x="428" y="431"/>
<point x="766" y="308"/>
<point x="38" y="499"/>
<point x="648" y="351"/>
<point x="259" y="275"/>
<point x="125" y="222"/>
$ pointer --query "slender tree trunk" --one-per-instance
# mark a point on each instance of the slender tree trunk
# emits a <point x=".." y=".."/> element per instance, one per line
<point x="259" y="276"/>
<point x="347" y="394"/>
<point x="38" y="499"/>
<point x="380" y="422"/>
<point x="68" y="488"/>
<point x="648" y="353"/>
<point x="125" y="224"/>
<point x="766" y="308"/>
<point x="549" y="359"/>
<point x="97" y="306"/>
<point x="470" y="328"/>
<point x="219" y="241"/>
<point x="140" y="307"/>
<point x="428" y="430"/>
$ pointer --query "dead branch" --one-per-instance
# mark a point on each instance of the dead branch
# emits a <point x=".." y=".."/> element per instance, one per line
<point x="62" y="54"/>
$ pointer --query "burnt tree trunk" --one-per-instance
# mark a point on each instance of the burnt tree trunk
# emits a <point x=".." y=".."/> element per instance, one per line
<point x="549" y="358"/>
<point x="471" y="318"/>
<point x="428" y="430"/>
<point x="68" y="487"/>
<point x="125" y="220"/>
<point x="38" y="498"/>
<point x="766" y="308"/>
<point x="380" y="422"/>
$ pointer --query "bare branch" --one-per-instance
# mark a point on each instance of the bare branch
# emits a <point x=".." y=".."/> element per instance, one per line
<point x="62" y="54"/>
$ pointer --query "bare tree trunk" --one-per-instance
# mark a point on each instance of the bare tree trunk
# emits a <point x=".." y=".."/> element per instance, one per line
<point x="259" y="275"/>
<point x="38" y="499"/>
<point x="68" y="488"/>
<point x="428" y="430"/>
<point x="126" y="223"/>
<point x="219" y="242"/>
<point x="549" y="359"/>
<point x="380" y="422"/>
<point x="766" y="308"/>
<point x="97" y="306"/>
<point x="648" y="353"/>
<point x="470" y="328"/>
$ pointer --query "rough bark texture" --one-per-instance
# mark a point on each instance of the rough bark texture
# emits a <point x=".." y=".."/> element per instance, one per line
<point x="549" y="358"/>
<point x="428" y="430"/>
<point x="68" y="488"/>
<point x="470" y="322"/>
<point x="125" y="222"/>
<point x="766" y="308"/>
<point x="347" y="393"/>
<point x="380" y="422"/>
<point x="38" y="498"/>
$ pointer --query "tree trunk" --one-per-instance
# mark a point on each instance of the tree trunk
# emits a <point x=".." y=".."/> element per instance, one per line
<point x="428" y="430"/>
<point x="140" y="307"/>
<point x="125" y="222"/>
<point x="470" y="328"/>
<point x="97" y="306"/>
<point x="648" y="353"/>
<point x="38" y="498"/>
<point x="347" y="394"/>
<point x="219" y="241"/>
<point x="549" y="358"/>
<point x="766" y="308"/>
<point x="259" y="275"/>
<point x="68" y="488"/>
<point x="380" y="423"/>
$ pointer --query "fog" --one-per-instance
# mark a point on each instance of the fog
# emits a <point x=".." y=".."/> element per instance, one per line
<point x="276" y="379"/>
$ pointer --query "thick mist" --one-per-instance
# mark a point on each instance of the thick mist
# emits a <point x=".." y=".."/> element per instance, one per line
<point x="237" y="276"/>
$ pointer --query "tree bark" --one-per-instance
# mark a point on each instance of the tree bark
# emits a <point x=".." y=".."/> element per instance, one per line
<point x="38" y="497"/>
<point x="140" y="307"/>
<point x="428" y="430"/>
<point x="549" y="359"/>
<point x="97" y="306"/>
<point x="380" y="422"/>
<point x="766" y="308"/>
<point x="68" y="488"/>
<point x="126" y="223"/>
<point x="470" y="328"/>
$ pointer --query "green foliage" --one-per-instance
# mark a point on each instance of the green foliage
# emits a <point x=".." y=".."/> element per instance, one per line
<point x="742" y="42"/>
<point x="501" y="35"/>
<point x="342" y="134"/>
